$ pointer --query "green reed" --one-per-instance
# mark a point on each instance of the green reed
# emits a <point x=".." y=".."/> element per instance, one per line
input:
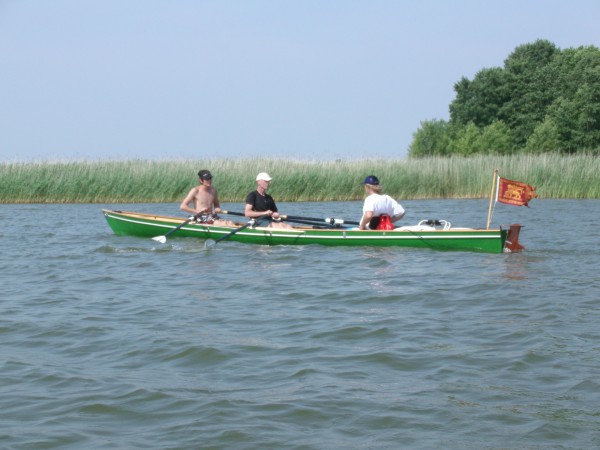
<point x="137" y="181"/>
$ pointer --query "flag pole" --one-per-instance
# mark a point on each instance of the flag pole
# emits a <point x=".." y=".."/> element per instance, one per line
<point x="489" y="219"/>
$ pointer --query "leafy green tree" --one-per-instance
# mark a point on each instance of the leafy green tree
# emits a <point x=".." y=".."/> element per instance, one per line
<point x="542" y="98"/>
<point x="545" y="138"/>
<point x="528" y="79"/>
<point x="466" y="140"/>
<point x="563" y="114"/>
<point x="570" y="69"/>
<point x="433" y="138"/>
<point x="495" y="138"/>
<point x="479" y="101"/>
<point x="527" y="59"/>
<point x="586" y="134"/>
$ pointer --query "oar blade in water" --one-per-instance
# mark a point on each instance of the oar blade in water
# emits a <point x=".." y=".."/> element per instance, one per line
<point x="160" y="239"/>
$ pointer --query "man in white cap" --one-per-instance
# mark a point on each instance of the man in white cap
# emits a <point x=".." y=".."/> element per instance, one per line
<point x="259" y="203"/>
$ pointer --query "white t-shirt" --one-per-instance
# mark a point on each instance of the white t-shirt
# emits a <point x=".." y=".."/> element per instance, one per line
<point x="382" y="204"/>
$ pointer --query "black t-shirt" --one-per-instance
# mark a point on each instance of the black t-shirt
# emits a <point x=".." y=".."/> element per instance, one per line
<point x="261" y="202"/>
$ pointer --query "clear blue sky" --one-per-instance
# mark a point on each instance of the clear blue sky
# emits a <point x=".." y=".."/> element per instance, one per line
<point x="315" y="79"/>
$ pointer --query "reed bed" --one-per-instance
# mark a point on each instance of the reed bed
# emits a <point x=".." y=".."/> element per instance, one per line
<point x="146" y="181"/>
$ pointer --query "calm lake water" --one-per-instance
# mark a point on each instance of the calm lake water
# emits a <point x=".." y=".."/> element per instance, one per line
<point x="121" y="342"/>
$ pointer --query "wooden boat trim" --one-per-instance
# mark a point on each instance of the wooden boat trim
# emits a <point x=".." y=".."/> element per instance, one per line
<point x="328" y="234"/>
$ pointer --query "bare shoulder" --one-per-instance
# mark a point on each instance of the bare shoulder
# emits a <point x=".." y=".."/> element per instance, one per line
<point x="191" y="194"/>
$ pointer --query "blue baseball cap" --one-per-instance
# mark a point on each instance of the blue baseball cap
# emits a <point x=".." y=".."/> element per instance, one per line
<point x="371" y="179"/>
<point x="204" y="175"/>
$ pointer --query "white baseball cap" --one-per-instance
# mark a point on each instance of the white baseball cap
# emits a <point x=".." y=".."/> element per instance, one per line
<point x="263" y="176"/>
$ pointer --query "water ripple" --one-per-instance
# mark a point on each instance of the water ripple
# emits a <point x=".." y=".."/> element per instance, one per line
<point x="118" y="342"/>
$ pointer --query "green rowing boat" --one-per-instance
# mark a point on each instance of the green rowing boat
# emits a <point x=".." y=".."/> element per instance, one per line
<point x="437" y="235"/>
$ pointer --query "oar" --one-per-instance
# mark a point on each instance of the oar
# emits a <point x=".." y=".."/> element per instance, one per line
<point x="210" y="243"/>
<point x="163" y="239"/>
<point x="233" y="213"/>
<point x="314" y="223"/>
<point x="327" y="220"/>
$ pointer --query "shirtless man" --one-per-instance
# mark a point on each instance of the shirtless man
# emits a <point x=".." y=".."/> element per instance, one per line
<point x="205" y="200"/>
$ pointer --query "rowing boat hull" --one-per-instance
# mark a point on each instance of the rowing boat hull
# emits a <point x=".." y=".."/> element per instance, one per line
<point x="148" y="225"/>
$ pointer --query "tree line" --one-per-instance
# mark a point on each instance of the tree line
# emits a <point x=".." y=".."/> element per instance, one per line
<point x="544" y="99"/>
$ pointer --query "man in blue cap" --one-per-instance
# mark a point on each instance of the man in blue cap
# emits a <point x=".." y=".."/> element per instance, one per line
<point x="380" y="211"/>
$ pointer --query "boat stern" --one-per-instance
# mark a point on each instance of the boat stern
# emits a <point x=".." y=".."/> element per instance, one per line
<point x="512" y="245"/>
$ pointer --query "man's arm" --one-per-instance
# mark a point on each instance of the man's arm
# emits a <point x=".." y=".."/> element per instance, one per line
<point x="248" y="211"/>
<point x="364" y="221"/>
<point x="187" y="200"/>
<point x="216" y="203"/>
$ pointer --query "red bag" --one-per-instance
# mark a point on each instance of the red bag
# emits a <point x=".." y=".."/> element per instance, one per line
<point x="384" y="223"/>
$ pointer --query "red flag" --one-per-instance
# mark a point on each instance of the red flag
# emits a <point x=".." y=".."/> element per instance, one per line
<point x="514" y="192"/>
